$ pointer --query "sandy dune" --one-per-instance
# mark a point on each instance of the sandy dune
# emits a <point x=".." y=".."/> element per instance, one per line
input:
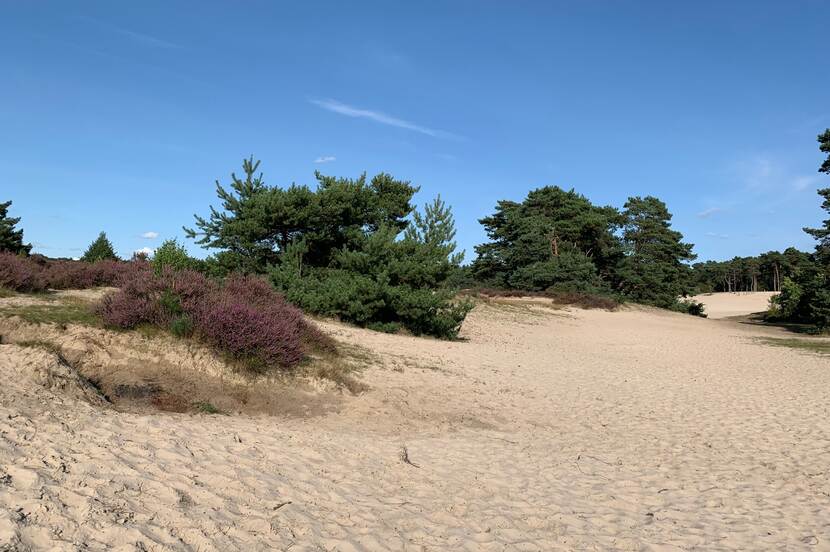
<point x="727" y="305"/>
<point x="545" y="430"/>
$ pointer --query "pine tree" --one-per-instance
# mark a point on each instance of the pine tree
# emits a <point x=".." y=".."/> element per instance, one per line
<point x="11" y="239"/>
<point x="823" y="234"/>
<point x="824" y="146"/>
<point x="436" y="229"/>
<point x="653" y="270"/>
<point x="100" y="250"/>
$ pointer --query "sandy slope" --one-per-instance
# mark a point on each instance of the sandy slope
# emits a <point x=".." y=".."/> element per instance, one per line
<point x="546" y="430"/>
<point x="726" y="305"/>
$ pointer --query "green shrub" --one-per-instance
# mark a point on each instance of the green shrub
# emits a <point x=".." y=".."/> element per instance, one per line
<point x="384" y="285"/>
<point x="786" y="303"/>
<point x="171" y="254"/>
<point x="569" y="271"/>
<point x="820" y="309"/>
<point x="181" y="326"/>
<point x="689" y="306"/>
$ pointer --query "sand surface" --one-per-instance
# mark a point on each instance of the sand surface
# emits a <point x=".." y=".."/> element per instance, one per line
<point x="544" y="430"/>
<point x="728" y="305"/>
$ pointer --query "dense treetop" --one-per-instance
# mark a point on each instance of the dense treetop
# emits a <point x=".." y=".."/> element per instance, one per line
<point x="100" y="250"/>
<point x="11" y="239"/>
<point x="558" y="240"/>
<point x="353" y="248"/>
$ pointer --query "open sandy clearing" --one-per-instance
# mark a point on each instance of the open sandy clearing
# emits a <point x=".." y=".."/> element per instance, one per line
<point x="726" y="305"/>
<point x="572" y="430"/>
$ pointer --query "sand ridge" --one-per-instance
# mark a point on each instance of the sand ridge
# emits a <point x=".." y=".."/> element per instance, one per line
<point x="544" y="430"/>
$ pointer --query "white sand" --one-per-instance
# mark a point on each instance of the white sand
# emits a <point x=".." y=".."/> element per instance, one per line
<point x="566" y="430"/>
<point x="727" y="305"/>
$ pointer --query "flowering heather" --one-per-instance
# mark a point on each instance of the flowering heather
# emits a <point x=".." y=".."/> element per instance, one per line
<point x="244" y="318"/>
<point x="248" y="333"/>
<point x="38" y="273"/>
<point x="83" y="275"/>
<point x="20" y="273"/>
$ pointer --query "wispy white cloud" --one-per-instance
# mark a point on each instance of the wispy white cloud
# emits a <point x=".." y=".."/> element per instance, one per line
<point x="380" y="117"/>
<point x="325" y="159"/>
<point x="758" y="173"/>
<point x="801" y="183"/>
<point x="143" y="38"/>
<point x="145" y="251"/>
<point x="716" y="235"/>
<point x="150" y="235"/>
<point x="707" y="213"/>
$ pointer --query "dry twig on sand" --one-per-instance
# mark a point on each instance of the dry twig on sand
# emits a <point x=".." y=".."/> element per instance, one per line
<point x="404" y="456"/>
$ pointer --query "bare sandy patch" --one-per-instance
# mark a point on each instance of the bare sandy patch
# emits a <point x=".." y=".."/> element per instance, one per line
<point x="541" y="430"/>
<point x="728" y="305"/>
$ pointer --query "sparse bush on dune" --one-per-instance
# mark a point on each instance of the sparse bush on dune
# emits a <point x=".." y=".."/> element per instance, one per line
<point x="243" y="318"/>
<point x="689" y="306"/>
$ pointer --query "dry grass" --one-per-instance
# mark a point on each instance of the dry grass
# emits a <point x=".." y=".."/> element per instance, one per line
<point x="40" y="344"/>
<point x="61" y="313"/>
<point x="818" y="346"/>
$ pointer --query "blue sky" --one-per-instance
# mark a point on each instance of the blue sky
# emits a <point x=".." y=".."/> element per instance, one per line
<point x="120" y="116"/>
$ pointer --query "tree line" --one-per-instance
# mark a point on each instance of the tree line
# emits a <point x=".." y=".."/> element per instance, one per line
<point x="360" y="250"/>
<point x="764" y="272"/>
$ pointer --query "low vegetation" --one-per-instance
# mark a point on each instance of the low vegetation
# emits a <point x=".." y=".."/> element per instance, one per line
<point x="61" y="313"/>
<point x="818" y="346"/>
<point x="242" y="317"/>
<point x="36" y="273"/>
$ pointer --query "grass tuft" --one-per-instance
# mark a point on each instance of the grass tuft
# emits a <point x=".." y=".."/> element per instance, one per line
<point x="59" y="313"/>
<point x="39" y="344"/>
<point x="821" y="347"/>
<point x="206" y="408"/>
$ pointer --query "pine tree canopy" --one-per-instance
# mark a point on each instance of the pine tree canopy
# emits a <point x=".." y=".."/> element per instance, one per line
<point x="11" y="239"/>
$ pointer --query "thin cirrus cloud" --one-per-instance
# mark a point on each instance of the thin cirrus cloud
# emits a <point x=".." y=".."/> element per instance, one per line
<point x="707" y="213"/>
<point x="380" y="117"/>
<point x="150" y="235"/>
<point x="716" y="235"/>
<point x="142" y="38"/>
<point x="325" y="159"/>
<point x="801" y="183"/>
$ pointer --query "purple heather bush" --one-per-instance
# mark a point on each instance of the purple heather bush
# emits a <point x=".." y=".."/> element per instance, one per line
<point x="36" y="273"/>
<point x="244" y="318"/>
<point x="19" y="273"/>
<point x="83" y="275"/>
